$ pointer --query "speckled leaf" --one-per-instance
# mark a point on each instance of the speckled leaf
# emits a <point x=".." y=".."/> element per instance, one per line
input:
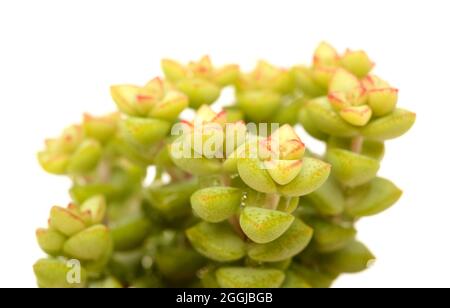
<point x="353" y="258"/>
<point x="391" y="126"/>
<point x="216" y="241"/>
<point x="253" y="173"/>
<point x="65" y="221"/>
<point x="327" y="120"/>
<point x="352" y="169"/>
<point x="263" y="225"/>
<point x="216" y="204"/>
<point x="328" y="199"/>
<point x="380" y="195"/>
<point x="313" y="174"/>
<point x="292" y="242"/>
<point x="144" y="132"/>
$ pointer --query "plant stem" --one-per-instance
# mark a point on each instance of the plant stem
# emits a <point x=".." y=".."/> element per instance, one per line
<point x="272" y="201"/>
<point x="357" y="144"/>
<point x="234" y="222"/>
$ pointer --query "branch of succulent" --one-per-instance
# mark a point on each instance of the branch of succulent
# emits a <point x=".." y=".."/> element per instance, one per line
<point x="237" y="200"/>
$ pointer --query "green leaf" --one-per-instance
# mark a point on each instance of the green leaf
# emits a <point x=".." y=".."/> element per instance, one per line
<point x="357" y="62"/>
<point x="96" y="208"/>
<point x="353" y="258"/>
<point x="313" y="174"/>
<point x="130" y="232"/>
<point x="291" y="243"/>
<point x="284" y="171"/>
<point x="144" y="132"/>
<point x="194" y="165"/>
<point x="50" y="241"/>
<point x="352" y="169"/>
<point x="253" y="173"/>
<point x="65" y="221"/>
<point x="172" y="201"/>
<point x="263" y="225"/>
<point x="258" y="105"/>
<point x="199" y="91"/>
<point x="241" y="277"/>
<point x="53" y="273"/>
<point x="309" y="125"/>
<point x="391" y="126"/>
<point x="173" y="70"/>
<point x="55" y="163"/>
<point x="313" y="276"/>
<point x="372" y="148"/>
<point x="379" y="195"/>
<point x="216" y="204"/>
<point x="107" y="283"/>
<point x="322" y="114"/>
<point x="178" y="264"/>
<point x="328" y="199"/>
<point x="86" y="157"/>
<point x="295" y="281"/>
<point x="90" y="244"/>
<point x="330" y="237"/>
<point x="216" y="241"/>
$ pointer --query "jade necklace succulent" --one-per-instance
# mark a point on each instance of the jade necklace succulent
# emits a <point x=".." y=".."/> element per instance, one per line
<point x="227" y="198"/>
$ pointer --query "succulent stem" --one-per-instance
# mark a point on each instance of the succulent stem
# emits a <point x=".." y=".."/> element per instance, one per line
<point x="357" y="144"/>
<point x="272" y="201"/>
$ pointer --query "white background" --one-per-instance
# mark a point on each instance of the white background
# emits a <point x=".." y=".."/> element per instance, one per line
<point x="58" y="59"/>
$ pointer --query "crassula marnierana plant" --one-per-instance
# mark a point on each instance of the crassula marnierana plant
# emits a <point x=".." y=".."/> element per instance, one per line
<point x="236" y="200"/>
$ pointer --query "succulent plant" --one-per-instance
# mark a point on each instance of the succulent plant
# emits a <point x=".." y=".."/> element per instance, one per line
<point x="237" y="200"/>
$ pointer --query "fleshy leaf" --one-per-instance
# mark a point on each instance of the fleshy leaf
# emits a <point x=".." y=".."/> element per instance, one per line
<point x="356" y="115"/>
<point x="313" y="174"/>
<point x="343" y="81"/>
<point x="264" y="225"/>
<point x="54" y="273"/>
<point x="379" y="196"/>
<point x="325" y="55"/>
<point x="199" y="91"/>
<point x="328" y="199"/>
<point x="258" y="105"/>
<point x="291" y="243"/>
<point x="130" y="232"/>
<point x="353" y="258"/>
<point x="391" y="126"/>
<point x="330" y="237"/>
<point x="327" y="120"/>
<point x="253" y="173"/>
<point x="173" y="70"/>
<point x="242" y="277"/>
<point x="96" y="208"/>
<point x="352" y="169"/>
<point x="144" y="132"/>
<point x="295" y="281"/>
<point x="50" y="241"/>
<point x="66" y="221"/>
<point x="216" y="204"/>
<point x="90" y="244"/>
<point x="216" y="241"/>
<point x="283" y="171"/>
<point x="357" y="62"/>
